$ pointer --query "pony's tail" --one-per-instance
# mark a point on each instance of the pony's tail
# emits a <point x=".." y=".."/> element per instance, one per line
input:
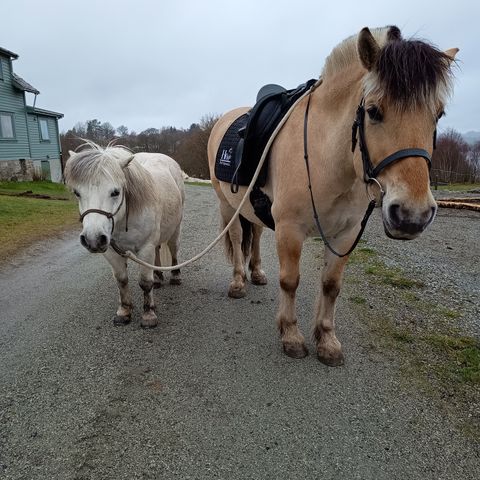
<point x="165" y="255"/>
<point x="247" y="233"/>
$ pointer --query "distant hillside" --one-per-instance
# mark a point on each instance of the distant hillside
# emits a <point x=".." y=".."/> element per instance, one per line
<point x="471" y="137"/>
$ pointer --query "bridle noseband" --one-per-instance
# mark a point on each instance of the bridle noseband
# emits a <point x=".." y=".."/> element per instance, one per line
<point x="109" y="215"/>
<point x="370" y="172"/>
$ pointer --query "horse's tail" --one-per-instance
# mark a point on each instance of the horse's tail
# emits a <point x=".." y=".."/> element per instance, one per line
<point x="165" y="255"/>
<point x="247" y="233"/>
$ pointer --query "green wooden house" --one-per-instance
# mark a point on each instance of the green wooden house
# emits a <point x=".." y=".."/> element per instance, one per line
<point x="29" y="136"/>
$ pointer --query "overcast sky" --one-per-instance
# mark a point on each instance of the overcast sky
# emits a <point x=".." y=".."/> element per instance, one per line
<point x="147" y="63"/>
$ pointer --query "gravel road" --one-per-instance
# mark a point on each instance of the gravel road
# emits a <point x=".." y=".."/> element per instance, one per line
<point x="208" y="393"/>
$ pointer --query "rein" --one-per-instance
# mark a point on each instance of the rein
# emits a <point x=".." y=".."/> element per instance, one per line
<point x="133" y="257"/>
<point x="369" y="171"/>
<point x="109" y="215"/>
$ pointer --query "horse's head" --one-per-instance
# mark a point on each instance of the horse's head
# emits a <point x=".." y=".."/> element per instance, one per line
<point x="96" y="177"/>
<point x="405" y="88"/>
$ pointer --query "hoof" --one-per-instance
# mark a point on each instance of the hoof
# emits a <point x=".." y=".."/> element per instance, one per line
<point x="175" y="281"/>
<point x="121" y="320"/>
<point x="157" y="284"/>
<point x="237" y="292"/>
<point x="295" y="350"/>
<point x="258" y="279"/>
<point x="148" y="323"/>
<point x="336" y="360"/>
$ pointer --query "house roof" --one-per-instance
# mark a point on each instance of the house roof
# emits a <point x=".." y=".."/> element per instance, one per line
<point x="21" y="84"/>
<point x="41" y="111"/>
<point x="8" y="53"/>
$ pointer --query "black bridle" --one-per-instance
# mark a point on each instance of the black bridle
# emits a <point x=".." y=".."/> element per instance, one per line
<point x="109" y="215"/>
<point x="370" y="172"/>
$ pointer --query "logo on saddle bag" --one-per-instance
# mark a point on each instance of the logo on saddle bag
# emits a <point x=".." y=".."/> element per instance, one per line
<point x="226" y="157"/>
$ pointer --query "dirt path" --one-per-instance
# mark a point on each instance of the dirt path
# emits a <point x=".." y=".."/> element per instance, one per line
<point x="209" y="394"/>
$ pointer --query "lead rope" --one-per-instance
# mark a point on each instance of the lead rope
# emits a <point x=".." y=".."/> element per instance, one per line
<point x="133" y="257"/>
<point x="368" y="212"/>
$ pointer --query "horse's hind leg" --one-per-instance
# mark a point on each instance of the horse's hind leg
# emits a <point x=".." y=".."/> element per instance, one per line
<point x="119" y="269"/>
<point x="173" y="245"/>
<point x="157" y="276"/>
<point x="289" y="239"/>
<point x="257" y="275"/>
<point x="329" y="349"/>
<point x="234" y="238"/>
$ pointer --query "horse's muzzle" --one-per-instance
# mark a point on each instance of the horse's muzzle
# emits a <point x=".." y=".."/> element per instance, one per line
<point x="97" y="245"/>
<point x="401" y="223"/>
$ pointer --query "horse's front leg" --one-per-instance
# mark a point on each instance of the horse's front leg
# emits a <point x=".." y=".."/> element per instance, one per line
<point x="329" y="349"/>
<point x="149" y="317"/>
<point x="289" y="239"/>
<point x="119" y="269"/>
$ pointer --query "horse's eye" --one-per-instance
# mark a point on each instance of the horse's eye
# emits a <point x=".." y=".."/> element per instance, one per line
<point x="115" y="193"/>
<point x="440" y="115"/>
<point x="375" y="114"/>
<point x="75" y="192"/>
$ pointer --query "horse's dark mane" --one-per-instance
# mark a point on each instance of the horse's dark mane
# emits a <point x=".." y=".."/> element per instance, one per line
<point x="411" y="72"/>
<point x="407" y="72"/>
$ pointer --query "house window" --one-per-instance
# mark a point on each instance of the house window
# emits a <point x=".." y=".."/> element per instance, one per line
<point x="44" y="136"/>
<point x="6" y="126"/>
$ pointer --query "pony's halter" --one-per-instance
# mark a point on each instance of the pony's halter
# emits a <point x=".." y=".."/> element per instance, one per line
<point x="370" y="172"/>
<point x="109" y="215"/>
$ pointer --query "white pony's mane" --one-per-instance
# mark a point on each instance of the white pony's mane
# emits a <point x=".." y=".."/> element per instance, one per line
<point x="92" y="162"/>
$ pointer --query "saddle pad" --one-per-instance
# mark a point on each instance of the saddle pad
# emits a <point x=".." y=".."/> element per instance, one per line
<point x="244" y="142"/>
<point x="229" y="154"/>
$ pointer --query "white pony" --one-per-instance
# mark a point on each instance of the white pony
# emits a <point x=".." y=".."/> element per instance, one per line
<point x="128" y="202"/>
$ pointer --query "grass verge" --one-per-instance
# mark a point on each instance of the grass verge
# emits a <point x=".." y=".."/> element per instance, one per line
<point x="434" y="355"/>
<point x="199" y="184"/>
<point x="44" y="187"/>
<point x="24" y="220"/>
<point x="459" y="187"/>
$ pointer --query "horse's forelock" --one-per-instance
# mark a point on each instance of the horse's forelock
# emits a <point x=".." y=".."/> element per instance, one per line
<point x="410" y="73"/>
<point x="407" y="72"/>
<point x="92" y="163"/>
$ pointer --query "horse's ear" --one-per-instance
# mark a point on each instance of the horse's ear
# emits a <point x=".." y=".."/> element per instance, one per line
<point x="451" y="52"/>
<point x="368" y="48"/>
<point x="124" y="162"/>
<point x="394" y="34"/>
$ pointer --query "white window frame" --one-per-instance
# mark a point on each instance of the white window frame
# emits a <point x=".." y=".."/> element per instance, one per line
<point x="44" y="133"/>
<point x="12" y="126"/>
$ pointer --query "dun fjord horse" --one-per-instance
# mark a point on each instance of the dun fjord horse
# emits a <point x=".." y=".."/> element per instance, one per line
<point x="393" y="91"/>
<point x="128" y="202"/>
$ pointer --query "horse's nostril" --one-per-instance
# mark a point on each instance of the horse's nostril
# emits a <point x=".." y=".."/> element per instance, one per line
<point x="83" y="241"/>
<point x="102" y="240"/>
<point x="393" y="211"/>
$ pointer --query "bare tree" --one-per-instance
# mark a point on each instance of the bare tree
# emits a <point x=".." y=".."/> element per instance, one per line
<point x="187" y="146"/>
<point x="450" y="159"/>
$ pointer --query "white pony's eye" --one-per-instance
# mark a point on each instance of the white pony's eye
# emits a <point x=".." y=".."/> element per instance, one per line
<point x="115" y="193"/>
<point x="75" y="192"/>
